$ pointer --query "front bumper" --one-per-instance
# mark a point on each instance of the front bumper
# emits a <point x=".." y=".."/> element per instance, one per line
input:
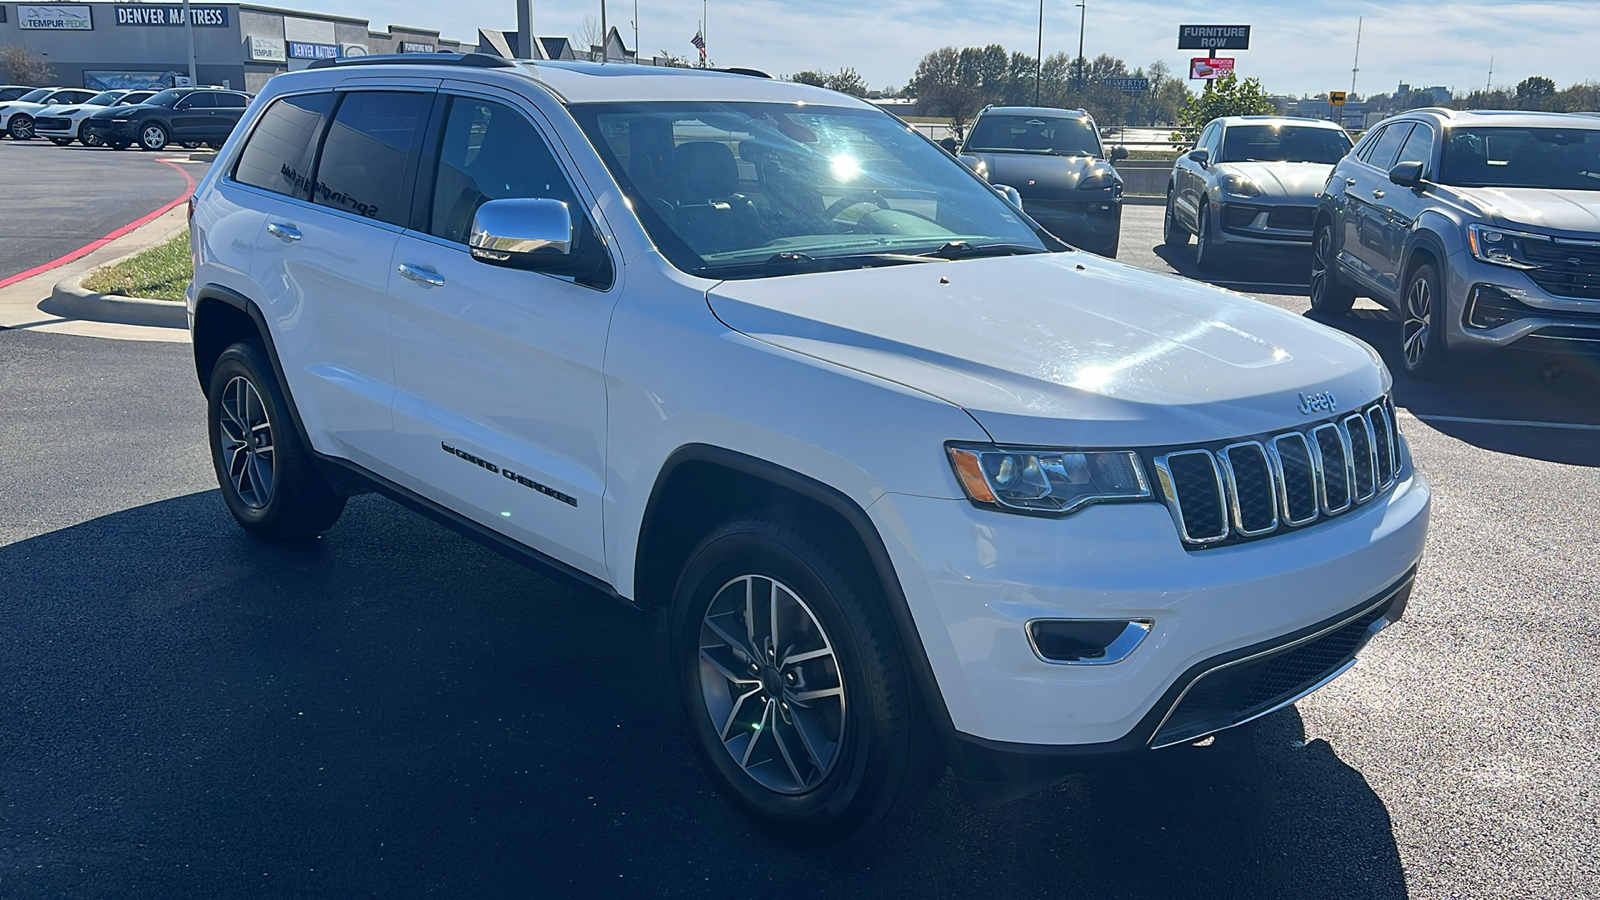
<point x="1544" y="322"/>
<point x="1265" y="220"/>
<point x="973" y="579"/>
<point x="111" y="132"/>
<point x="1094" y="225"/>
<point x="55" y="126"/>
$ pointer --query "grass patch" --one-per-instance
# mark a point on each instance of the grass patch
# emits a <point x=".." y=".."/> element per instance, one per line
<point x="162" y="272"/>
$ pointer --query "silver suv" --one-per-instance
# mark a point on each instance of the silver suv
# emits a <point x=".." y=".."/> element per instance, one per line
<point x="1482" y="229"/>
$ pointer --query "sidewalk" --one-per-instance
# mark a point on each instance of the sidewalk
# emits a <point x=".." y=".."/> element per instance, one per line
<point x="20" y="303"/>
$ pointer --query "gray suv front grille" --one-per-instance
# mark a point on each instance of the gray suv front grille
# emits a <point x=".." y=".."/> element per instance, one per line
<point x="1258" y="487"/>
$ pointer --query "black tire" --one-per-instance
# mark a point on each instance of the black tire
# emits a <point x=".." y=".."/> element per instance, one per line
<point x="1206" y="251"/>
<point x="1330" y="295"/>
<point x="883" y="756"/>
<point x="118" y="145"/>
<point x="1173" y="233"/>
<point x="279" y="494"/>
<point x="1423" y="353"/>
<point x="154" y="136"/>
<point x="20" y="127"/>
<point x="190" y="145"/>
<point x="61" y="142"/>
<point x="89" y="140"/>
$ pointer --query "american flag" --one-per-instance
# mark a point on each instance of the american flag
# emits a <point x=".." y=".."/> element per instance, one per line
<point x="699" y="43"/>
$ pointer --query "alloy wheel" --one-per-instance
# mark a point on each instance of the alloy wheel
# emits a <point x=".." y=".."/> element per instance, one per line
<point x="1418" y="325"/>
<point x="247" y="449"/>
<point x="21" y="128"/>
<point x="1320" y="251"/>
<point x="771" y="683"/>
<point x="153" y="138"/>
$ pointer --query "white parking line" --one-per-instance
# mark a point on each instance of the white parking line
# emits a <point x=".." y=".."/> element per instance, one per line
<point x="1518" y="423"/>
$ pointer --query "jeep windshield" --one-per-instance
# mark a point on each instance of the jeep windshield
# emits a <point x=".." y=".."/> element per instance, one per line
<point x="1283" y="143"/>
<point x="1557" y="159"/>
<point x="1033" y="134"/>
<point x="748" y="190"/>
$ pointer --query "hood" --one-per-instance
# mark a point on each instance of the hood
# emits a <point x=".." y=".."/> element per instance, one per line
<point x="12" y="107"/>
<point x="1281" y="179"/>
<point x="1576" y="212"/>
<point x="1063" y="349"/>
<point x="1042" y="176"/>
<point x="74" y="108"/>
<point x="110" y="112"/>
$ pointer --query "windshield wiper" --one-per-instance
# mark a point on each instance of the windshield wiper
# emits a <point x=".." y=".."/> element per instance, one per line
<point x="965" y="250"/>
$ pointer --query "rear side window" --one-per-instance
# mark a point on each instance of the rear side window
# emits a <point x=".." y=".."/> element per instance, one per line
<point x="367" y="153"/>
<point x="232" y="101"/>
<point x="277" y="157"/>
<point x="1387" y="147"/>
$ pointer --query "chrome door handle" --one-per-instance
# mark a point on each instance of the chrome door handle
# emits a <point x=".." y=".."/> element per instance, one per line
<point x="287" y="232"/>
<point x="1350" y="181"/>
<point x="1377" y="195"/>
<point x="421" y="274"/>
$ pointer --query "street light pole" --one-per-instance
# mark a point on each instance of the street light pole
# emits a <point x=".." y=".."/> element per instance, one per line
<point x="1083" y="10"/>
<point x="188" y="28"/>
<point x="1038" y="59"/>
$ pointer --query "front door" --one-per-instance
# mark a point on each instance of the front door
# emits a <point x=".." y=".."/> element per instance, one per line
<point x="192" y="115"/>
<point x="500" y="402"/>
<point x="1400" y="207"/>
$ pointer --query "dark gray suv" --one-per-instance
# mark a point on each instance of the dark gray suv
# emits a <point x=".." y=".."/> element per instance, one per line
<point x="1481" y="229"/>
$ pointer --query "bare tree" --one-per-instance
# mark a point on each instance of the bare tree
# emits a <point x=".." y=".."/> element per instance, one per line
<point x="19" y="66"/>
<point x="589" y="42"/>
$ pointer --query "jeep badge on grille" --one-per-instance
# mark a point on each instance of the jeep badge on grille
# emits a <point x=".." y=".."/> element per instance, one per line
<point x="1322" y="401"/>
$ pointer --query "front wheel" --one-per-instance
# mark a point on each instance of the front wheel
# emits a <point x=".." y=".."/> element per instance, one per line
<point x="1422" y="308"/>
<point x="154" y="136"/>
<point x="1172" y="233"/>
<point x="1206" y="251"/>
<point x="793" y="684"/>
<point x="268" y="478"/>
<point x="20" y="128"/>
<point x="88" y="139"/>
<point x="1329" y="294"/>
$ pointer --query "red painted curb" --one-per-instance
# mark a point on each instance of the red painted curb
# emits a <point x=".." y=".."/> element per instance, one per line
<point x="90" y="248"/>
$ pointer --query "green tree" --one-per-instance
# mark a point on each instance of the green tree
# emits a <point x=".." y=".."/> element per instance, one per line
<point x="815" y="79"/>
<point x="846" y="81"/>
<point x="1226" y="96"/>
<point x="1534" y="91"/>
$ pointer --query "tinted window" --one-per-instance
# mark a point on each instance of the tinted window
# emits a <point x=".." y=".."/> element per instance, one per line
<point x="232" y="101"/>
<point x="489" y="151"/>
<point x="135" y="98"/>
<point x="1205" y="137"/>
<point x="11" y="93"/>
<point x="1213" y="143"/>
<point x="1563" y="159"/>
<point x="1034" y="134"/>
<point x="200" y="100"/>
<point x="1284" y="143"/>
<point x="363" y="164"/>
<point x="1418" y="147"/>
<point x="105" y="98"/>
<point x="1387" y="146"/>
<point x="64" y="97"/>
<point x="34" y="96"/>
<point x="277" y="157"/>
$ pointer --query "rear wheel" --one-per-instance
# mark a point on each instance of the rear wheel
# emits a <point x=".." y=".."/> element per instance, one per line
<point x="191" y="145"/>
<point x="1329" y="294"/>
<point x="793" y="685"/>
<point x="1422" y="307"/>
<point x="117" y="145"/>
<point x="268" y="477"/>
<point x="154" y="136"/>
<point x="1172" y="233"/>
<point x="20" y="127"/>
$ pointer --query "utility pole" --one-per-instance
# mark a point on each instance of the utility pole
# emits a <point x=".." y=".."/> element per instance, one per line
<point x="605" y="35"/>
<point x="188" y="28"/>
<point x="1083" y="10"/>
<point x="635" y="30"/>
<point x="525" y="30"/>
<point x="1038" y="59"/>
<point x="1488" y="83"/>
<point x="1356" y="66"/>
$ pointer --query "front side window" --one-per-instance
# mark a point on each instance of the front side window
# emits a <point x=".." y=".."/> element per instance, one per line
<point x="1561" y="159"/>
<point x="364" y="159"/>
<point x="1034" y="134"/>
<point x="1418" y="147"/>
<point x="1387" y="147"/>
<point x="1283" y="143"/>
<point x="489" y="151"/>
<point x="277" y="155"/>
<point x="34" y="96"/>
<point x="747" y="190"/>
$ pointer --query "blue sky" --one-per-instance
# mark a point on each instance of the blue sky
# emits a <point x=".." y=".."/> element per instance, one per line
<point x="1297" y="47"/>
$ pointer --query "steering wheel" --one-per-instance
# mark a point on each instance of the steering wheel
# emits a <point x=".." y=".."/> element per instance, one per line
<point x="855" y="199"/>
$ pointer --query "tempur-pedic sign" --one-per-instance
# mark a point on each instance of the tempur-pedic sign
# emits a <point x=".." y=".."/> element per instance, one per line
<point x="55" y="18"/>
<point x="153" y="14"/>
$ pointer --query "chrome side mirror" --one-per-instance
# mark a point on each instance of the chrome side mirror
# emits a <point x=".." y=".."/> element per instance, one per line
<point x="976" y="164"/>
<point x="523" y="233"/>
<point x="1010" y="193"/>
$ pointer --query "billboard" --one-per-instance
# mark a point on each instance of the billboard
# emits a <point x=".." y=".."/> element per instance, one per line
<point x="1130" y="85"/>
<point x="1205" y="69"/>
<point x="153" y="14"/>
<point x="55" y="18"/>
<point x="1213" y="37"/>
<point x="309" y="50"/>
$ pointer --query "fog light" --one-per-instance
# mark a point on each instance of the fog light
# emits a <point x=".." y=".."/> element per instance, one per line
<point x="1490" y="307"/>
<point x="1086" y="642"/>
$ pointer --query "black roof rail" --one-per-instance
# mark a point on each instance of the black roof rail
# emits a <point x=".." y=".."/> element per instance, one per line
<point x="472" y="60"/>
<point x="740" y="70"/>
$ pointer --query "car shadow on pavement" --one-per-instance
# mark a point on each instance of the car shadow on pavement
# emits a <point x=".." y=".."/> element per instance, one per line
<point x="394" y="710"/>
<point x="1277" y="267"/>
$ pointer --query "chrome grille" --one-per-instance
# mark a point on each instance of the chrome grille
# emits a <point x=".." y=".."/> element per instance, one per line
<point x="1261" y="486"/>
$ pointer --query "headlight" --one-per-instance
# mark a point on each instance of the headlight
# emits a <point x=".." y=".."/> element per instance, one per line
<point x="1503" y="248"/>
<point x="1047" y="481"/>
<point x="1240" y="186"/>
<point x="1099" y="181"/>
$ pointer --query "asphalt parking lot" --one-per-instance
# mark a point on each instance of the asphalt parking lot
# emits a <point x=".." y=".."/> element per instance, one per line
<point x="58" y="199"/>
<point x="394" y="711"/>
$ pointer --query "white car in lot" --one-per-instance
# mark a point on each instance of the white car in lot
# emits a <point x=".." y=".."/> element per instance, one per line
<point x="906" y="483"/>
<point x="17" y="116"/>
<point x="61" y="124"/>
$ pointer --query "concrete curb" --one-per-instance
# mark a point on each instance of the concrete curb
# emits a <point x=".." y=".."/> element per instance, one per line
<point x="71" y="300"/>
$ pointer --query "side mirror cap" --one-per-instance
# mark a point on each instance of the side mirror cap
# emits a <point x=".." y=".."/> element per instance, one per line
<point x="1200" y="155"/>
<point x="1119" y="153"/>
<point x="949" y="144"/>
<point x="523" y="233"/>
<point x="977" y="165"/>
<point x="1407" y="174"/>
<point x="1010" y="193"/>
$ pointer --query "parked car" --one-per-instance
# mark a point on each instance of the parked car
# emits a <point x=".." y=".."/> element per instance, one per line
<point x="1056" y="163"/>
<point x="1250" y="181"/>
<point x="13" y="91"/>
<point x="191" y="116"/>
<point x="61" y="123"/>
<point x="907" y="482"/>
<point x="1481" y="230"/>
<point x="16" y="116"/>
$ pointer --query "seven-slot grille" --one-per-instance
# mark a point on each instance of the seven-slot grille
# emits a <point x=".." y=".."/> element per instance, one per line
<point x="1257" y="487"/>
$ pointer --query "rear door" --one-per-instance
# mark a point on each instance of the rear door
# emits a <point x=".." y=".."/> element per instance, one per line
<point x="500" y="401"/>
<point x="230" y="109"/>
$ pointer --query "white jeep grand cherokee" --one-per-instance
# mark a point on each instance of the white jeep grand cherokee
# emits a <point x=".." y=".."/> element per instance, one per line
<point x="909" y="483"/>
